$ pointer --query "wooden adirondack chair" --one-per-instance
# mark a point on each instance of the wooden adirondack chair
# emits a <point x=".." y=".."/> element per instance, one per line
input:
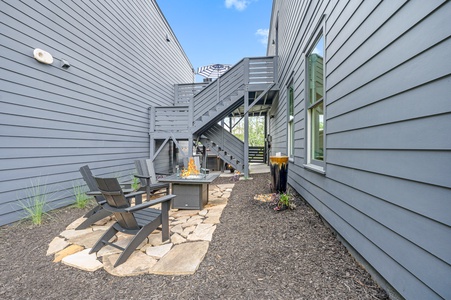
<point x="148" y="178"/>
<point x="139" y="220"/>
<point x="97" y="213"/>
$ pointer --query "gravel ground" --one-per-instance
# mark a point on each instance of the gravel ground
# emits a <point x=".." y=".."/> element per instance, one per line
<point x="256" y="253"/>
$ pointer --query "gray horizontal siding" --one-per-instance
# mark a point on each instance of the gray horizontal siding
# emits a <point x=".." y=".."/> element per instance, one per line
<point x="52" y="121"/>
<point x="387" y="185"/>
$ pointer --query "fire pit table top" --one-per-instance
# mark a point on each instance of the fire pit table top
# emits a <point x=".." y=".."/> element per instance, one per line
<point x="194" y="179"/>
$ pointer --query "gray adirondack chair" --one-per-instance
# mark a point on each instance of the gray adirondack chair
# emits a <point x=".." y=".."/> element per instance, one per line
<point x="139" y="220"/>
<point x="148" y="178"/>
<point x="97" y="213"/>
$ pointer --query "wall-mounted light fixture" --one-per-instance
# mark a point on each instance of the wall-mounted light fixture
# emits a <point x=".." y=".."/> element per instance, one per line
<point x="42" y="56"/>
<point x="167" y="38"/>
<point x="273" y="42"/>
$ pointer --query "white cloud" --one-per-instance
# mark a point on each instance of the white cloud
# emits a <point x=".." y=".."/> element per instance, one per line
<point x="238" y="4"/>
<point x="263" y="34"/>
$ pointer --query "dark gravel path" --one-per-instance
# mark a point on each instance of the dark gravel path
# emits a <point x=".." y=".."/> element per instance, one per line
<point x="255" y="253"/>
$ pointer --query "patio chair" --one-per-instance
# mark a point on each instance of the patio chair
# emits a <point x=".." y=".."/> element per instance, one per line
<point x="97" y="213"/>
<point x="139" y="220"/>
<point x="148" y="178"/>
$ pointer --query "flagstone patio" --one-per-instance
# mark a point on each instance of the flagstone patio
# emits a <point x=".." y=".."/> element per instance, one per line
<point x="191" y="232"/>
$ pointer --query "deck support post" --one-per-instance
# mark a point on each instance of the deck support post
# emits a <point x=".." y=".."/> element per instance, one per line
<point x="246" y="133"/>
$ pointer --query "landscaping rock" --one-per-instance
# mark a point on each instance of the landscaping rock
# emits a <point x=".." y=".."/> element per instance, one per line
<point x="56" y="245"/>
<point x="137" y="264"/>
<point x="83" y="261"/>
<point x="183" y="259"/>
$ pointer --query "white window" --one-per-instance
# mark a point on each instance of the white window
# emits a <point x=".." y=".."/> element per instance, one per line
<point x="315" y="103"/>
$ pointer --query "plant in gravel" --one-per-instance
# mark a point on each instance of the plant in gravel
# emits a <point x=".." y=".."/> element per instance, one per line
<point x="236" y="176"/>
<point x="81" y="199"/>
<point x="135" y="183"/>
<point x="283" y="201"/>
<point x="36" y="198"/>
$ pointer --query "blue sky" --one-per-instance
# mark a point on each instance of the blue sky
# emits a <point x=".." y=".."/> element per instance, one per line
<point x="219" y="31"/>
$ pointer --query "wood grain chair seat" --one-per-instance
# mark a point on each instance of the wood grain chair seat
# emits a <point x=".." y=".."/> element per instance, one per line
<point x="139" y="220"/>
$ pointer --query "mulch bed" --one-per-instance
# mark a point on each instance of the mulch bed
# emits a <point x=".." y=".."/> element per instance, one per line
<point x="256" y="253"/>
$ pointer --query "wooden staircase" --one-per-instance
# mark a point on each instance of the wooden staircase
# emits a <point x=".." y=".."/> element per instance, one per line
<point x="224" y="144"/>
<point x="199" y="107"/>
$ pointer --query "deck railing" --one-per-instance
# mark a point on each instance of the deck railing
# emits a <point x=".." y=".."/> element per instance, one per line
<point x="184" y="93"/>
<point x="249" y="71"/>
<point x="191" y="101"/>
<point x="169" y="118"/>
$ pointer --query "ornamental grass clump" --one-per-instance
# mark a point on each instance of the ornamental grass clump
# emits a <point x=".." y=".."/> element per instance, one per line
<point x="81" y="199"/>
<point x="36" y="198"/>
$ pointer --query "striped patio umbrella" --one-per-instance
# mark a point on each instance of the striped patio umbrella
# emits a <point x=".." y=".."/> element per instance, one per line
<point x="213" y="71"/>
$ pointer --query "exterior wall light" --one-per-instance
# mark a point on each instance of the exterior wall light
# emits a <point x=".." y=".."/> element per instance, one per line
<point x="43" y="56"/>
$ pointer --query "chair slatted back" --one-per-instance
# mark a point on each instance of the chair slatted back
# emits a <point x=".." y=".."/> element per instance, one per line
<point x="111" y="190"/>
<point x="90" y="182"/>
<point x="145" y="167"/>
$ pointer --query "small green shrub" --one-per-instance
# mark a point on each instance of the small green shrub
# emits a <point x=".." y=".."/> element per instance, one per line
<point x="136" y="183"/>
<point x="283" y="201"/>
<point x="81" y="199"/>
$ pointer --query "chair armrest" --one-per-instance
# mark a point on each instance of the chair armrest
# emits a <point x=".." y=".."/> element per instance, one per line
<point x="94" y="193"/>
<point x="131" y="195"/>
<point x="150" y="203"/>
<point x="142" y="176"/>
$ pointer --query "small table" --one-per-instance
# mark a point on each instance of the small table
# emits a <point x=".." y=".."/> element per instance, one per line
<point x="190" y="193"/>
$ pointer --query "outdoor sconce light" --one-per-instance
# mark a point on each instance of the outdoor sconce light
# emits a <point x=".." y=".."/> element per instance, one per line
<point x="273" y="42"/>
<point x="167" y="38"/>
<point x="65" y="64"/>
<point x="43" y="56"/>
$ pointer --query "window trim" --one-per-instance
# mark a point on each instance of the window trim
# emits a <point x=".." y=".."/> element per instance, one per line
<point x="290" y="120"/>
<point x="311" y="163"/>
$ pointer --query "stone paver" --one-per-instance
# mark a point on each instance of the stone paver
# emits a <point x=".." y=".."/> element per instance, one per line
<point x="212" y="220"/>
<point x="87" y="240"/>
<point x="75" y="223"/>
<point x="137" y="264"/>
<point x="203" y="232"/>
<point x="158" y="252"/>
<point x="71" y="233"/>
<point x="183" y="259"/>
<point x="177" y="229"/>
<point x="191" y="232"/>
<point x="177" y="239"/>
<point x="155" y="239"/>
<point x="83" y="260"/>
<point x="72" y="249"/>
<point x="56" y="245"/>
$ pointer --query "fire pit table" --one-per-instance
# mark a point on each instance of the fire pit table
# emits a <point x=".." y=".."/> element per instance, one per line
<point x="191" y="192"/>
